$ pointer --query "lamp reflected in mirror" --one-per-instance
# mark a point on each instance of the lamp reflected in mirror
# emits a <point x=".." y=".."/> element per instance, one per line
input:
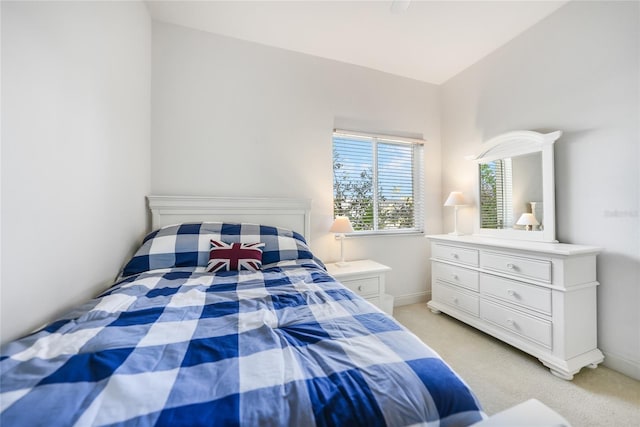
<point x="528" y="220"/>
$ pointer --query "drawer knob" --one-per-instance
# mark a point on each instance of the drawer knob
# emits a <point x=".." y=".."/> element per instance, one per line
<point x="511" y="266"/>
<point x="454" y="255"/>
<point x="360" y="288"/>
<point x="511" y="292"/>
<point x="455" y="300"/>
<point x="455" y="277"/>
<point x="510" y="322"/>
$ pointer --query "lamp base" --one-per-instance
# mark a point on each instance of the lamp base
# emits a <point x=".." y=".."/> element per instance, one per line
<point x="456" y="233"/>
<point x="342" y="264"/>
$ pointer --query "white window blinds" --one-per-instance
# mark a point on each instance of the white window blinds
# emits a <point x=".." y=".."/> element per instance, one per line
<point x="378" y="182"/>
<point x="495" y="194"/>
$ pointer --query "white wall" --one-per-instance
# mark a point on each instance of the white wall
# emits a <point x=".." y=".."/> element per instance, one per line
<point x="238" y="118"/>
<point x="577" y="71"/>
<point x="526" y="183"/>
<point x="75" y="152"/>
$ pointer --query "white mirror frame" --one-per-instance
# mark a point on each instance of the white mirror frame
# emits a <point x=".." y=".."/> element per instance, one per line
<point x="518" y="143"/>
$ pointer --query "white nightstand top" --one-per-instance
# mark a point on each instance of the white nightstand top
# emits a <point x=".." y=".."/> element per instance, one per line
<point x="356" y="267"/>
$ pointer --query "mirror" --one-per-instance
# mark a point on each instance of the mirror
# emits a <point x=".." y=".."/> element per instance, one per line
<point x="510" y="187"/>
<point x="515" y="187"/>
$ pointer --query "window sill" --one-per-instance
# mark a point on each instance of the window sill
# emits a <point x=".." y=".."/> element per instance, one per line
<point x="394" y="233"/>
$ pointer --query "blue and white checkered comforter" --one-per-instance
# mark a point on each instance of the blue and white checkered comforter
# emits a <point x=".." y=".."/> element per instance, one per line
<point x="285" y="346"/>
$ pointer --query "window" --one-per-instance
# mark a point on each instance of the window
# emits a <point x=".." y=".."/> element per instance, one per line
<point x="378" y="182"/>
<point x="495" y="194"/>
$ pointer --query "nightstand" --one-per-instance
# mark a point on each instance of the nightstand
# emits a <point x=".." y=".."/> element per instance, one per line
<point x="367" y="279"/>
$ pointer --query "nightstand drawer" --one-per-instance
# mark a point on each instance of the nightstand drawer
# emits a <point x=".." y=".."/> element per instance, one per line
<point x="455" y="298"/>
<point x="363" y="287"/>
<point x="456" y="275"/>
<point x="529" y="327"/>
<point x="528" y="296"/>
<point x="516" y="266"/>
<point x="455" y="254"/>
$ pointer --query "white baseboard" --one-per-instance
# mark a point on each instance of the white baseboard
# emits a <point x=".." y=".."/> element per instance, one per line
<point x="412" y="298"/>
<point x="628" y="367"/>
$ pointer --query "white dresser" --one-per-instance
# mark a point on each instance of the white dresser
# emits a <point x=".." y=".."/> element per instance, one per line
<point x="538" y="297"/>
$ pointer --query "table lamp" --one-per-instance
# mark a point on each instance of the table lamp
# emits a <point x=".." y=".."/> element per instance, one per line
<point x="528" y="220"/>
<point x="340" y="226"/>
<point x="455" y="199"/>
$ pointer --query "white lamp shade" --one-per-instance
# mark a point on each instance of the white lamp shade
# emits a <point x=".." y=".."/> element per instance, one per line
<point x="527" y="219"/>
<point x="341" y="225"/>
<point x="455" y="199"/>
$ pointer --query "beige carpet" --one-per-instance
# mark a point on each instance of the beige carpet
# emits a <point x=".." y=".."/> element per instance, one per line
<point x="503" y="376"/>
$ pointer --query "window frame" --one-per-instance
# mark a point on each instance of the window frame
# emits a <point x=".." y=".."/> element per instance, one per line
<point x="417" y="179"/>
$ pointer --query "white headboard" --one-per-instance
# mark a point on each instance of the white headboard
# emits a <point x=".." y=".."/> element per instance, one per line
<point x="293" y="214"/>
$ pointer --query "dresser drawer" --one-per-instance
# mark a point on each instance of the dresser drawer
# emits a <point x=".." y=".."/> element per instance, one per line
<point x="522" y="294"/>
<point x="534" y="329"/>
<point x="364" y="286"/>
<point x="455" y="298"/>
<point x="456" y="275"/>
<point x="516" y="266"/>
<point x="455" y="254"/>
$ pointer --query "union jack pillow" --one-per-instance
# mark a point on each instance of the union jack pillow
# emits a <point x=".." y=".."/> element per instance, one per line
<point x="234" y="256"/>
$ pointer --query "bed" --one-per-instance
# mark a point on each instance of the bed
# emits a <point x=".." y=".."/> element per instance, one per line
<point x="282" y="344"/>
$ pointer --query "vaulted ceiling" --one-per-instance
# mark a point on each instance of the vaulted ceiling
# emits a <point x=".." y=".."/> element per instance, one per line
<point x="430" y="41"/>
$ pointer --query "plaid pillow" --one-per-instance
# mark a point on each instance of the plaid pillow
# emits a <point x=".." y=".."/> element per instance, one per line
<point x="234" y="256"/>
<point x="188" y="245"/>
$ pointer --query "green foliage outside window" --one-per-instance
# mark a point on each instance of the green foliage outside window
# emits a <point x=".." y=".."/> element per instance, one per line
<point x="488" y="196"/>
